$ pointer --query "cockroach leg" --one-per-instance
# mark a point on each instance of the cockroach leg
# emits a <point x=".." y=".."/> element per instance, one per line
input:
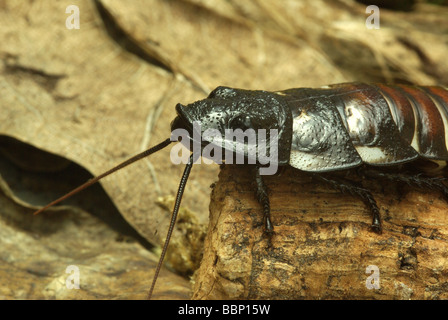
<point x="263" y="199"/>
<point x="346" y="186"/>
<point x="416" y="180"/>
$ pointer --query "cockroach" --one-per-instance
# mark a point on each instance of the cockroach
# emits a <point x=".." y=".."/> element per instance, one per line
<point x="328" y="129"/>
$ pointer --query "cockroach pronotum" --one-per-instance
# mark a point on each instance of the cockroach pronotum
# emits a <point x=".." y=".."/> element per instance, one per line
<point x="333" y="128"/>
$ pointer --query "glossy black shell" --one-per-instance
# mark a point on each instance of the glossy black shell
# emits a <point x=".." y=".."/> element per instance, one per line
<point x="335" y="127"/>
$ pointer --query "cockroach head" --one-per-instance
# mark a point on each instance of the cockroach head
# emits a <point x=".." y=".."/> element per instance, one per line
<point x="228" y="110"/>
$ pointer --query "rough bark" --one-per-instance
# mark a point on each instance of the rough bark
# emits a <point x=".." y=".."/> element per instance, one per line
<point x="322" y="244"/>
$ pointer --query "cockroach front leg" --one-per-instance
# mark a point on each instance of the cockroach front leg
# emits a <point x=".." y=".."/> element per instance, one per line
<point x="263" y="199"/>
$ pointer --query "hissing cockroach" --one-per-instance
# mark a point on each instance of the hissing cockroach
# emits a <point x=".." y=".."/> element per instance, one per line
<point x="333" y="128"/>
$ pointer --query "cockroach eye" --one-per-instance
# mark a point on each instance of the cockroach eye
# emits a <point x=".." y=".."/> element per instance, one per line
<point x="242" y="122"/>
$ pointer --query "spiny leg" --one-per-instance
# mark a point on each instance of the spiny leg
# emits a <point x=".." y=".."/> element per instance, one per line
<point x="349" y="187"/>
<point x="417" y="180"/>
<point x="263" y="199"/>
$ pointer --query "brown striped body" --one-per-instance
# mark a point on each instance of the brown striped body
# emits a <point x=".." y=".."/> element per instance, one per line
<point x="341" y="126"/>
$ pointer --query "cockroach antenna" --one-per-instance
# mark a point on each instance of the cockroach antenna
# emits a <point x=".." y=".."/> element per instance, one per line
<point x="180" y="192"/>
<point x="135" y="158"/>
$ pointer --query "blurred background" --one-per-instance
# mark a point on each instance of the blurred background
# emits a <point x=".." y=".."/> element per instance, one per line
<point x="86" y="84"/>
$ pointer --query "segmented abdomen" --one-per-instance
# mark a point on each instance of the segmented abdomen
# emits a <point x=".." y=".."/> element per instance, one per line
<point x="384" y="125"/>
<point x="421" y="114"/>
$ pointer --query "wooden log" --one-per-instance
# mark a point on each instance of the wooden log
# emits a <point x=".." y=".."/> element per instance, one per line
<point x="323" y="246"/>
